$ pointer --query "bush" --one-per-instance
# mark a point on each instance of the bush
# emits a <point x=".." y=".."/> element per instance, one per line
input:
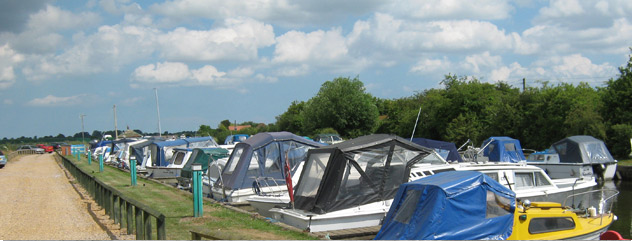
<point x="619" y="140"/>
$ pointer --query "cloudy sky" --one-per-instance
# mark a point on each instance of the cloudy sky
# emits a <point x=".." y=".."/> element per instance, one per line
<point x="212" y="60"/>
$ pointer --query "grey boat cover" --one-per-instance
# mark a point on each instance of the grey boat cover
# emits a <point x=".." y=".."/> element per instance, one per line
<point x="356" y="172"/>
<point x="263" y="157"/>
<point x="582" y="149"/>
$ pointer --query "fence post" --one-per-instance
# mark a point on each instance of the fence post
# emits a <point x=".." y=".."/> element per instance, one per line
<point x="132" y="168"/>
<point x="197" y="190"/>
<point x="160" y="225"/>
<point x="139" y="223"/>
<point x="147" y="222"/>
<point x="89" y="158"/>
<point x="101" y="163"/>
<point x="130" y="217"/>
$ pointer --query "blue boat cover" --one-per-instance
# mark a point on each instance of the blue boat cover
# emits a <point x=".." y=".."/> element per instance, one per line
<point x="457" y="205"/>
<point x="440" y="147"/>
<point x="234" y="139"/>
<point x="503" y="149"/>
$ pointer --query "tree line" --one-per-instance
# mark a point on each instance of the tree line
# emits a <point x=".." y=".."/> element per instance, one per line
<point x="464" y="109"/>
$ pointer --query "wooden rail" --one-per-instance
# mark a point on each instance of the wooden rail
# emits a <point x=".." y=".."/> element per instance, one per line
<point x="137" y="216"/>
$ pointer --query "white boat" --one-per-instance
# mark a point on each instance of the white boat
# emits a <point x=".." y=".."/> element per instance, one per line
<point x="258" y="166"/>
<point x="324" y="201"/>
<point x="576" y="157"/>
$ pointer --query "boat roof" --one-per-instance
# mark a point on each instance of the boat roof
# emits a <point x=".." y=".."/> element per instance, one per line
<point x="453" y="154"/>
<point x="582" y="149"/>
<point x="359" y="171"/>
<point x="456" y="205"/>
<point x="503" y="149"/>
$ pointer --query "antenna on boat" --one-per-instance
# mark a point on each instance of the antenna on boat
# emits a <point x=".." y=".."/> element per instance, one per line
<point x="415" y="128"/>
<point x="158" y="110"/>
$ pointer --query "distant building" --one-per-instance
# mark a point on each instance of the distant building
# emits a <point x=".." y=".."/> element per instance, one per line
<point x="238" y="128"/>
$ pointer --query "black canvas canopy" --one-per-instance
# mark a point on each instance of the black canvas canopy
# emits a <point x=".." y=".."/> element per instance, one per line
<point x="356" y="172"/>
<point x="264" y="156"/>
<point x="582" y="149"/>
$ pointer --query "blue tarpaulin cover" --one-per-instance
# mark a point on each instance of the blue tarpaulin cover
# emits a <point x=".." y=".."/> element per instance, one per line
<point x="457" y="205"/>
<point x="503" y="149"/>
<point x="453" y="154"/>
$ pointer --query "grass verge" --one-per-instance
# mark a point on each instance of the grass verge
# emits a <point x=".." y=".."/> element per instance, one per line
<point x="627" y="162"/>
<point x="177" y="206"/>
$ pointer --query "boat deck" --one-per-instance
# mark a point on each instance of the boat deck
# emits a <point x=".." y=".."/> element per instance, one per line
<point x="353" y="233"/>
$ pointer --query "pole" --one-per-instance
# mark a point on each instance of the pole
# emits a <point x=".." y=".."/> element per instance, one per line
<point x="524" y="84"/>
<point x="101" y="163"/>
<point x="132" y="168"/>
<point x="115" y="128"/>
<point x="89" y="158"/>
<point x="196" y="187"/>
<point x="415" y="128"/>
<point x="158" y="111"/>
<point x="82" y="131"/>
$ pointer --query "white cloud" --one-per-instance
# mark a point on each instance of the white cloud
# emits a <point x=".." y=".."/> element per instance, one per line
<point x="179" y="74"/>
<point x="474" y="63"/>
<point x="8" y="60"/>
<point x="320" y="46"/>
<point x="53" y="18"/>
<point x="584" y="14"/>
<point x="283" y="12"/>
<point x="237" y="39"/>
<point x="573" y="68"/>
<point x="431" y="65"/>
<point x="450" y="9"/>
<point x="51" y="100"/>
<point x="7" y="102"/>
<point x="167" y="72"/>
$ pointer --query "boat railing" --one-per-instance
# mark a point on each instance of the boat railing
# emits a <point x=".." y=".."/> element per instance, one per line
<point x="604" y="204"/>
<point x="268" y="186"/>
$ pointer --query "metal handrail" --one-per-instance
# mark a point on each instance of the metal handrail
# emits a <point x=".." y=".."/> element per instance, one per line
<point x="118" y="206"/>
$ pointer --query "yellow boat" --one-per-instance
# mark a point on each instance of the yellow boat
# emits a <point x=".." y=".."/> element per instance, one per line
<point x="554" y="221"/>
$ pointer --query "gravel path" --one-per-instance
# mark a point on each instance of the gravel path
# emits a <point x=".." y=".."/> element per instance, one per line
<point x="38" y="202"/>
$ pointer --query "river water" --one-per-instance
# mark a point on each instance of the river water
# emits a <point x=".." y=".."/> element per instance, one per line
<point x="622" y="207"/>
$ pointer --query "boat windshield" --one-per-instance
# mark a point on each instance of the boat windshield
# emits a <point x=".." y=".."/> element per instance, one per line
<point x="234" y="159"/>
<point x="311" y="178"/>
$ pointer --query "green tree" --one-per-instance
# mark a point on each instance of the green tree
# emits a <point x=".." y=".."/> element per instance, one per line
<point x="617" y="97"/>
<point x="205" y="130"/>
<point x="292" y="119"/>
<point x="225" y="123"/>
<point x="344" y="105"/>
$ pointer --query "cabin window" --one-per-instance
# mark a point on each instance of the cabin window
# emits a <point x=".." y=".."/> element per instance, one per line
<point x="561" y="148"/>
<point x="177" y="160"/>
<point x="524" y="180"/>
<point x="540" y="180"/>
<point x="234" y="159"/>
<point x="545" y="225"/>
<point x="493" y="175"/>
<point x="497" y="205"/>
<point x="295" y="152"/>
<point x="313" y="175"/>
<point x="270" y="154"/>
<point x="510" y="147"/>
<point x="407" y="209"/>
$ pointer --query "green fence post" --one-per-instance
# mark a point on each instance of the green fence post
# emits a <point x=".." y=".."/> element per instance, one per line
<point x="89" y="158"/>
<point x="101" y="163"/>
<point x="132" y="170"/>
<point x="197" y="190"/>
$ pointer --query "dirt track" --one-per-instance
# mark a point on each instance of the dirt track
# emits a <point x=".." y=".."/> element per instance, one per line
<point x="38" y="202"/>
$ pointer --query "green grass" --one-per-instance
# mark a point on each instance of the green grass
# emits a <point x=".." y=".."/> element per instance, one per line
<point x="177" y="206"/>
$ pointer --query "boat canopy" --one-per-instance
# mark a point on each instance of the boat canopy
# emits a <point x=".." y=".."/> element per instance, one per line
<point x="161" y="151"/>
<point x="455" y="205"/>
<point x="447" y="150"/>
<point x="264" y="156"/>
<point x="141" y="150"/>
<point x="582" y="149"/>
<point x="356" y="172"/>
<point x="204" y="157"/>
<point x="503" y="149"/>
<point x="233" y="139"/>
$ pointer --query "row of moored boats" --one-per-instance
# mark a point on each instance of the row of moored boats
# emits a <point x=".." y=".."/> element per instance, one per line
<point x="414" y="189"/>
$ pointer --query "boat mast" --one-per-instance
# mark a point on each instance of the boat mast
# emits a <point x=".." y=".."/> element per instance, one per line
<point x="158" y="111"/>
<point x="115" y="129"/>
<point x="415" y="128"/>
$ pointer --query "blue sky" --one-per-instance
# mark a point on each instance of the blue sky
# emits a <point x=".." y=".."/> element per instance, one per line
<point x="213" y="60"/>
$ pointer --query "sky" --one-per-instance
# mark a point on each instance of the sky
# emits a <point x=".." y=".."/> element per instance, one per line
<point x="198" y="62"/>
